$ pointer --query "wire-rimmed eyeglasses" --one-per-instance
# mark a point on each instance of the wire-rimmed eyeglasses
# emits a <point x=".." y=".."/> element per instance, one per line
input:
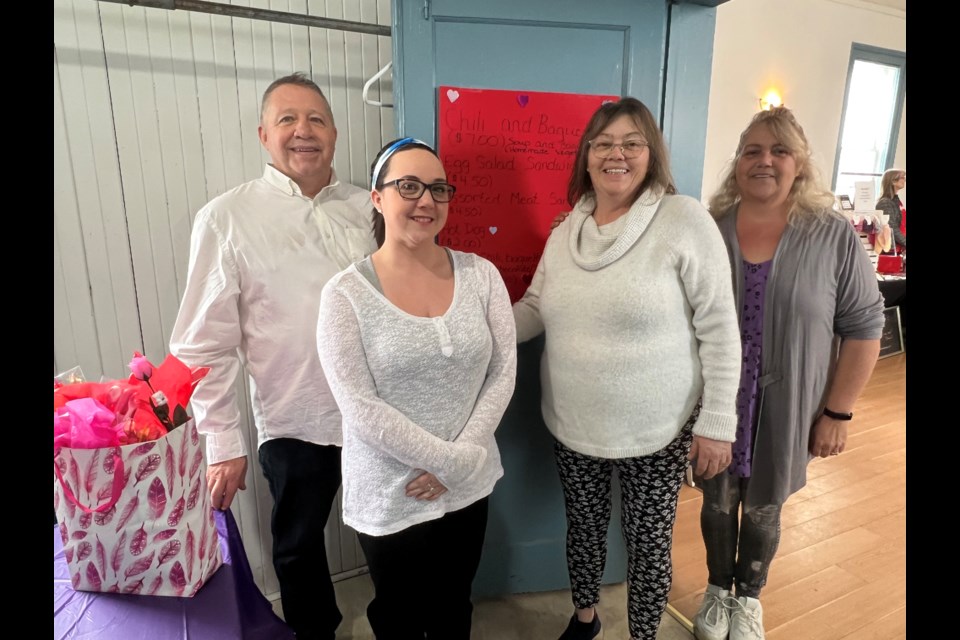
<point x="412" y="189"/>
<point x="629" y="148"/>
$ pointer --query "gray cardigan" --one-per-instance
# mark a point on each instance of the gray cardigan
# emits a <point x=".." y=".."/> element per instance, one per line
<point x="821" y="287"/>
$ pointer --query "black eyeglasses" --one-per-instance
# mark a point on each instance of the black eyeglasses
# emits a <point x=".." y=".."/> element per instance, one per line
<point x="411" y="189"/>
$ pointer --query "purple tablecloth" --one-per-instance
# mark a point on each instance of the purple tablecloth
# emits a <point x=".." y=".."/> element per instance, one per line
<point x="228" y="607"/>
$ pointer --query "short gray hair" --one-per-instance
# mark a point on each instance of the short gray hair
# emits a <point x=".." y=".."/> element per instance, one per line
<point x="298" y="79"/>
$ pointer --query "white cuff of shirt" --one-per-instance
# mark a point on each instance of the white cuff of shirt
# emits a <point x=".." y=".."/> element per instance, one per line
<point x="225" y="446"/>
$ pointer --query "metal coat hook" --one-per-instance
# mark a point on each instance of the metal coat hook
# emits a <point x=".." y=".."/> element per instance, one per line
<point x="369" y="83"/>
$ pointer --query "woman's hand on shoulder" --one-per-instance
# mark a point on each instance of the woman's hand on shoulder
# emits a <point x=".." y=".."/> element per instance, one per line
<point x="425" y="487"/>
<point x="710" y="457"/>
<point x="560" y="218"/>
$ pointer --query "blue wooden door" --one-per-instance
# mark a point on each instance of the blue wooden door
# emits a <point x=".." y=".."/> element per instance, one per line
<point x="618" y="47"/>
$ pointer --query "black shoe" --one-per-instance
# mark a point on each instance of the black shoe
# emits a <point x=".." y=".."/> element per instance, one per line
<point x="577" y="630"/>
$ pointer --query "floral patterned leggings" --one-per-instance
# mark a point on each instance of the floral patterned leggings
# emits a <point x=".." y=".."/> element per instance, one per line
<point x="649" y="486"/>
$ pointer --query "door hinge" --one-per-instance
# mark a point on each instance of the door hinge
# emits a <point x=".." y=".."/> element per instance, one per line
<point x="425" y="10"/>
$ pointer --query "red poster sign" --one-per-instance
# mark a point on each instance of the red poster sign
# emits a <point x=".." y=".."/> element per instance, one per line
<point x="510" y="155"/>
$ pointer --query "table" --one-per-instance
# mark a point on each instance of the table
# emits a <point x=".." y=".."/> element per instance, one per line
<point x="894" y="294"/>
<point x="228" y="607"/>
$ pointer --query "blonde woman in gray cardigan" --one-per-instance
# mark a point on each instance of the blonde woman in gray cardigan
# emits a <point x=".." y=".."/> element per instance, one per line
<point x="641" y="356"/>
<point x="419" y="347"/>
<point x="803" y="284"/>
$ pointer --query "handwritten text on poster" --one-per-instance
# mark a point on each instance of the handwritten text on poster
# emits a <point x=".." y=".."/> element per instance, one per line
<point x="510" y="155"/>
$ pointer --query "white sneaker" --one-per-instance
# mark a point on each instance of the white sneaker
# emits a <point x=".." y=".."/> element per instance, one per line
<point x="712" y="621"/>
<point x="746" y="621"/>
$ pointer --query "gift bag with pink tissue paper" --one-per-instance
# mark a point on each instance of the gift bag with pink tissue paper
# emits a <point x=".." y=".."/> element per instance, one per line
<point x="130" y="487"/>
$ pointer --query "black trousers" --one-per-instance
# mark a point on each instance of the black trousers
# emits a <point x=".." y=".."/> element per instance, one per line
<point x="304" y="479"/>
<point x="423" y="576"/>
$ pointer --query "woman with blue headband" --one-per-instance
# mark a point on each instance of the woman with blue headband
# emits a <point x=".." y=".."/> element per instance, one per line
<point x="419" y="347"/>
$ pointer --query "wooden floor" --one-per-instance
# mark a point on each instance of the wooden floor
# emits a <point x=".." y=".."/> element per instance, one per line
<point x="840" y="571"/>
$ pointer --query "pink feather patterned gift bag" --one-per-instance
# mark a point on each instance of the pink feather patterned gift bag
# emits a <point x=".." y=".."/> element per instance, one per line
<point x="136" y="518"/>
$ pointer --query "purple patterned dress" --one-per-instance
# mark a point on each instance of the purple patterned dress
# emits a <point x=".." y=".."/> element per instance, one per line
<point x="751" y="337"/>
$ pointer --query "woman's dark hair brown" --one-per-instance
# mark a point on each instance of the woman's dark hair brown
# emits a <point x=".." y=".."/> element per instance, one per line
<point x="379" y="230"/>
<point x="658" y="175"/>
<point x="887" y="188"/>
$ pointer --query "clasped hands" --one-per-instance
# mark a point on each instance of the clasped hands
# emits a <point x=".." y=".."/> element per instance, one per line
<point x="426" y="486"/>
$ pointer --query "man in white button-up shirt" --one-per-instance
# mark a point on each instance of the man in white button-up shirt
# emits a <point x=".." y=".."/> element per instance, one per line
<point x="259" y="257"/>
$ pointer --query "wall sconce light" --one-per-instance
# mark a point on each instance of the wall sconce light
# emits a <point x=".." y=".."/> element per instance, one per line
<point x="770" y="99"/>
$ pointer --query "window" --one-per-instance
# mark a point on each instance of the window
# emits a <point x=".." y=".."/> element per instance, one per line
<point x="876" y="85"/>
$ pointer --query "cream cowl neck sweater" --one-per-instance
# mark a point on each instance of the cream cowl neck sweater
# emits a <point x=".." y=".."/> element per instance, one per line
<point x="640" y="326"/>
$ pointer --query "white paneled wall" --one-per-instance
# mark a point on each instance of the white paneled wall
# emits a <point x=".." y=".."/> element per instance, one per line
<point x="155" y="113"/>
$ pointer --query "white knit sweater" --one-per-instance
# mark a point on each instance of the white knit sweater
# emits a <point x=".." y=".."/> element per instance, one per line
<point x="640" y="323"/>
<point x="417" y="393"/>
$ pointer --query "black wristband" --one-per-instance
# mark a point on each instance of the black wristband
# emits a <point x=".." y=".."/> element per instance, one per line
<point x="837" y="416"/>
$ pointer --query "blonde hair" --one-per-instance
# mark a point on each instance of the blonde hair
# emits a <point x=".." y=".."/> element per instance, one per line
<point x="808" y="197"/>
<point x="887" y="190"/>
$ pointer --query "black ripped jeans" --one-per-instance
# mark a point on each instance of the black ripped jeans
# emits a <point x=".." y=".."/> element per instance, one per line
<point x="740" y="545"/>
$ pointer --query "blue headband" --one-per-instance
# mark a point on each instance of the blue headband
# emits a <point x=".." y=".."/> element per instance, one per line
<point x="386" y="156"/>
